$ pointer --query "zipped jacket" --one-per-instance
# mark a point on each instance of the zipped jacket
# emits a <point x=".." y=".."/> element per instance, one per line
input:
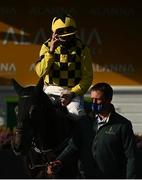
<point x="109" y="152"/>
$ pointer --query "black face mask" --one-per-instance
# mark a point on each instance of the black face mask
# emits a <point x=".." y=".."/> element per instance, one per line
<point x="98" y="108"/>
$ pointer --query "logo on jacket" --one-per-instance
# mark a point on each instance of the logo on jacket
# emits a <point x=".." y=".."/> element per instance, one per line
<point x="110" y="131"/>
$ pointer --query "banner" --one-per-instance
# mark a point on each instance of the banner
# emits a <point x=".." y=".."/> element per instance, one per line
<point x="113" y="35"/>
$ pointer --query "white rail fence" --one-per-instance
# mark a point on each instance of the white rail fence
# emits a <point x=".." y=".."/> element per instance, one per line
<point x="127" y="101"/>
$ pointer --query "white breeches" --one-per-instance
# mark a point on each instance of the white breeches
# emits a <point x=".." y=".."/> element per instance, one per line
<point x="75" y="107"/>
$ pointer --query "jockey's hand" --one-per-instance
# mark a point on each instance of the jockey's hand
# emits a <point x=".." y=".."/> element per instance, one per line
<point x="54" y="42"/>
<point x="66" y="97"/>
<point x="54" y="167"/>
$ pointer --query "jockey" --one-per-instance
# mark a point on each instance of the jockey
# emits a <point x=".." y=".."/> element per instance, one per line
<point x="66" y="65"/>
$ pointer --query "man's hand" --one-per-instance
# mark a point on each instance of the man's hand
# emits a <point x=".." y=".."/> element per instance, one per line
<point x="54" y="167"/>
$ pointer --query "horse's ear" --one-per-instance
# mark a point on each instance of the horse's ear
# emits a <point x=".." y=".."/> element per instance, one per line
<point x="39" y="86"/>
<point x="18" y="88"/>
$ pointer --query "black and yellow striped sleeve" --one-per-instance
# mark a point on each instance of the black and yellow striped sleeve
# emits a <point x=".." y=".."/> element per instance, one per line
<point x="44" y="62"/>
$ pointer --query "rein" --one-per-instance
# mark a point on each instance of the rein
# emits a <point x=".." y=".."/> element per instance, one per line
<point x="56" y="149"/>
<point x="44" y="152"/>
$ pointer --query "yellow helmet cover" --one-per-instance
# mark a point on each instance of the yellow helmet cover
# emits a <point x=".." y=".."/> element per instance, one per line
<point x="64" y="25"/>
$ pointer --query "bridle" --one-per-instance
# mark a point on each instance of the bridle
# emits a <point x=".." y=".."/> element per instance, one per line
<point x="58" y="148"/>
<point x="42" y="152"/>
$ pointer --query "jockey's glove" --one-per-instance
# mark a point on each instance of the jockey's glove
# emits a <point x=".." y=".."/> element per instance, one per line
<point x="66" y="97"/>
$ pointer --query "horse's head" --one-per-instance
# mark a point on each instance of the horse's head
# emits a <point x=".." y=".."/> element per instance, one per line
<point x="39" y="122"/>
<point x="38" y="118"/>
<point x="30" y="112"/>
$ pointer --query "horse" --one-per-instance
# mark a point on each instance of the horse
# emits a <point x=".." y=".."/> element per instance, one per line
<point x="42" y="132"/>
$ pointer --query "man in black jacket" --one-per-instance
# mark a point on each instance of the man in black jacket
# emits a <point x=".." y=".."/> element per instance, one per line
<point x="105" y="141"/>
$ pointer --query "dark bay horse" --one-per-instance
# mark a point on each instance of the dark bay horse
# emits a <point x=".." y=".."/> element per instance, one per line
<point x="43" y="130"/>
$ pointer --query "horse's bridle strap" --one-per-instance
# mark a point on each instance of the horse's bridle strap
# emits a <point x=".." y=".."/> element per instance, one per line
<point x="42" y="151"/>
